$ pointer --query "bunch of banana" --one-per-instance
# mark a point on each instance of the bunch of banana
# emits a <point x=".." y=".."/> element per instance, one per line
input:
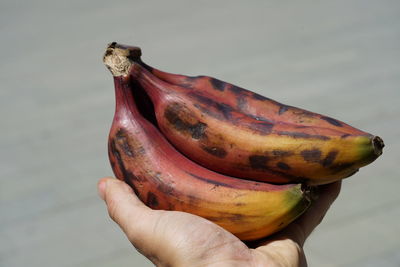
<point x="200" y="145"/>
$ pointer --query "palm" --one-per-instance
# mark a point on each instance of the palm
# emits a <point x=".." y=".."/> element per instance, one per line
<point x="189" y="238"/>
<point x="182" y="239"/>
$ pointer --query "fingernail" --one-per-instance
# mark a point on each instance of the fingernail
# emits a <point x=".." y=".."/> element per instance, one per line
<point x="101" y="188"/>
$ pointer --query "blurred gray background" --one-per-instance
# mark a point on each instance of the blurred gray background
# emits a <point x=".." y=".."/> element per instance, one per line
<point x="340" y="58"/>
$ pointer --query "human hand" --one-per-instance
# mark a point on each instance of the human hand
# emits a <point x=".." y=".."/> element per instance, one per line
<point x="173" y="238"/>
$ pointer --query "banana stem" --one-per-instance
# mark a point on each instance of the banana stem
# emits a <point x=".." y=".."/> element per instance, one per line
<point x="119" y="58"/>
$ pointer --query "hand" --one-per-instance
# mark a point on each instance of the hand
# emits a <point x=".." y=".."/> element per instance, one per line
<point x="173" y="238"/>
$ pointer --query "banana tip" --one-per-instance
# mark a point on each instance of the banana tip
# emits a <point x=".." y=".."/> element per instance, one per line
<point x="378" y="145"/>
<point x="310" y="193"/>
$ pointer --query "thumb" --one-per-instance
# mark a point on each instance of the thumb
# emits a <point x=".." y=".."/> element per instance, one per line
<point x="126" y="209"/>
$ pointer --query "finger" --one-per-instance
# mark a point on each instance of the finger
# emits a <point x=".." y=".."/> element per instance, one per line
<point x="120" y="199"/>
<point x="327" y="194"/>
<point x="302" y="227"/>
<point x="283" y="251"/>
<point x="126" y="209"/>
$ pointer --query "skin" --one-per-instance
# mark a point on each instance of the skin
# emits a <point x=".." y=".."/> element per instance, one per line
<point x="171" y="238"/>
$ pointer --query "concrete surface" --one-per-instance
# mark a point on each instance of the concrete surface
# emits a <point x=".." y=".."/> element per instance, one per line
<point x="339" y="58"/>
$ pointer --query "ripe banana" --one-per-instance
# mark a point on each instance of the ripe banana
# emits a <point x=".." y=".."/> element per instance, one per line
<point x="251" y="103"/>
<point x="239" y="133"/>
<point x="165" y="179"/>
